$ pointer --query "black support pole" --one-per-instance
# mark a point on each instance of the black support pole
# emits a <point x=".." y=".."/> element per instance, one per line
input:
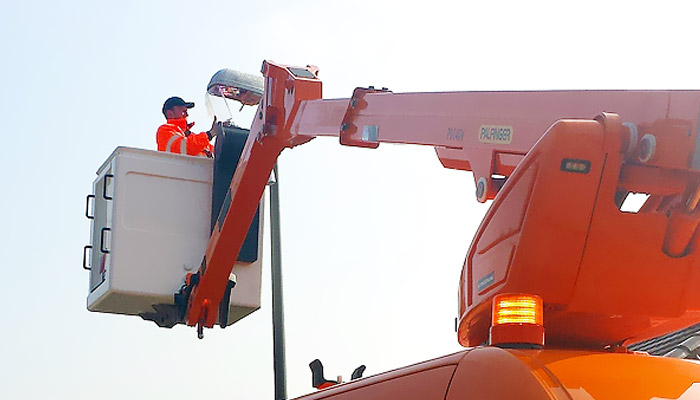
<point x="277" y="307"/>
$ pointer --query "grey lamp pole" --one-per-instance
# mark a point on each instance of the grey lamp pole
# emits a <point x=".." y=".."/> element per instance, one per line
<point x="277" y="307"/>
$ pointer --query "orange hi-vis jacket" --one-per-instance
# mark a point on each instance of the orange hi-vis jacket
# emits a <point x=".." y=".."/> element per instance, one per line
<point x="171" y="138"/>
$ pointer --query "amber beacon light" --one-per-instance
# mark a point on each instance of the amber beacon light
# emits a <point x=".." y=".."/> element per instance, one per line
<point x="517" y="321"/>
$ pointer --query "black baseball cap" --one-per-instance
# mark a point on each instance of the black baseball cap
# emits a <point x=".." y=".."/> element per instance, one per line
<point x="174" y="102"/>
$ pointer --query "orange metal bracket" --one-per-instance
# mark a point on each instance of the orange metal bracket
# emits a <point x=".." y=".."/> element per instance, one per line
<point x="348" y="129"/>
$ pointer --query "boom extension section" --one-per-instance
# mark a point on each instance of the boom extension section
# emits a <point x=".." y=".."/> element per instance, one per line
<point x="547" y="232"/>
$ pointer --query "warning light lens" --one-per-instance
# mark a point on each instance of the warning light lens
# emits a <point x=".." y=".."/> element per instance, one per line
<point x="517" y="309"/>
<point x="576" y="165"/>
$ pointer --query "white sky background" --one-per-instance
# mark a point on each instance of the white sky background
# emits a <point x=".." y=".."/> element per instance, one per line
<point x="373" y="240"/>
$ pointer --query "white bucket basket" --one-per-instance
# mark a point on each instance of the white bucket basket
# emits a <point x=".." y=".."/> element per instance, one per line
<point x="150" y="226"/>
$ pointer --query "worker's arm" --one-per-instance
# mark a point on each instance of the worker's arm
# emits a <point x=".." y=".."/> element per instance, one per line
<point x="197" y="143"/>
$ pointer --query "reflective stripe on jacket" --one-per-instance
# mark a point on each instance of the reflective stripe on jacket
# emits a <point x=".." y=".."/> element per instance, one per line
<point x="171" y="138"/>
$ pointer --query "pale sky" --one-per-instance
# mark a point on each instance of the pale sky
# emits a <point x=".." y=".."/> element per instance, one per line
<point x="373" y="240"/>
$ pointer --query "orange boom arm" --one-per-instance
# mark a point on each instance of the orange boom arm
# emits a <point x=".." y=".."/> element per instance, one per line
<point x="547" y="232"/>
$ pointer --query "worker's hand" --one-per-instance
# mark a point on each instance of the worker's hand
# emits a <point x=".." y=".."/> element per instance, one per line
<point x="215" y="128"/>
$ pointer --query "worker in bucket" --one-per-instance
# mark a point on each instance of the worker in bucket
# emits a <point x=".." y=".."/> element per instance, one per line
<point x="174" y="136"/>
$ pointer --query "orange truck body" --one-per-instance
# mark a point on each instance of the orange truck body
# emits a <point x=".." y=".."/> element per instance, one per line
<point x="492" y="373"/>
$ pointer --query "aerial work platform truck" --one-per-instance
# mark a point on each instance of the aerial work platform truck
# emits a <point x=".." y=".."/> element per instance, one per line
<point x="566" y="279"/>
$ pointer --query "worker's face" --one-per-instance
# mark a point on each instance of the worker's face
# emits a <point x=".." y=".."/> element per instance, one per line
<point x="176" y="112"/>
